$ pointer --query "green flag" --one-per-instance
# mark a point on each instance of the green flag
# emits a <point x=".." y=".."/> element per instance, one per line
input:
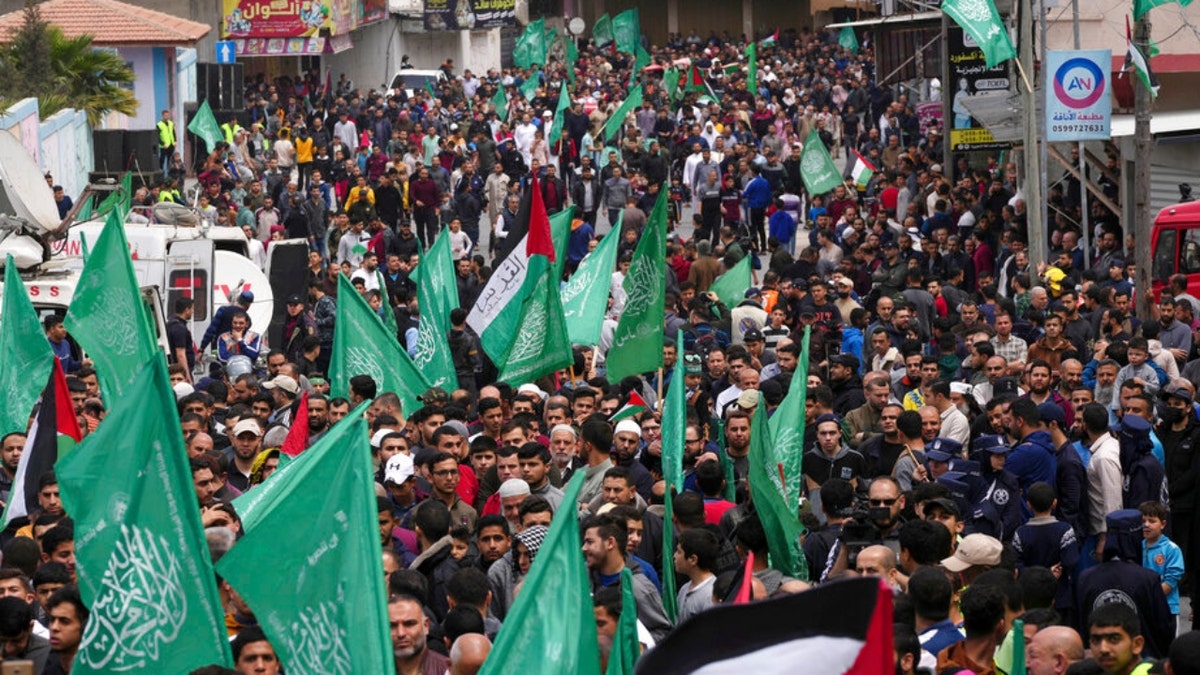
<point x="781" y="524"/>
<point x="564" y="102"/>
<point x="631" y="103"/>
<point x="602" y="31"/>
<point x="437" y="296"/>
<point x="585" y="297"/>
<point x="637" y="344"/>
<point x="671" y="83"/>
<point x="787" y="430"/>
<point x="752" y="68"/>
<point x="556" y="598"/>
<point x="626" y="648"/>
<point x="641" y="60"/>
<point x="560" y="236"/>
<point x="141" y="557"/>
<point x="362" y="346"/>
<point x="627" y="31"/>
<point x="848" y="40"/>
<point x="530" y="86"/>
<point x="541" y="346"/>
<point x="817" y="169"/>
<point x="531" y="46"/>
<point x="387" y="313"/>
<point x="204" y="124"/>
<point x="674" y="431"/>
<point x="731" y="286"/>
<point x="28" y="358"/>
<point x="325" y="610"/>
<point x="571" y="54"/>
<point x="982" y="21"/>
<point x="500" y="103"/>
<point x="119" y="200"/>
<point x="107" y="317"/>
<point x="1140" y="7"/>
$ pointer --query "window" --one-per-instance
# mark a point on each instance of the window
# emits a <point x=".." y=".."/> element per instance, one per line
<point x="189" y="283"/>
<point x="1164" y="256"/>
<point x="1189" y="252"/>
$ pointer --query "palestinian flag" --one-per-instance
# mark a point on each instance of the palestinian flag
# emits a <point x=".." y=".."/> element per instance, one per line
<point x="634" y="406"/>
<point x="1136" y="59"/>
<point x="862" y="171"/>
<point x="694" y="81"/>
<point x="772" y="636"/>
<point x="770" y="40"/>
<point x="55" y="430"/>
<point x="296" y="441"/>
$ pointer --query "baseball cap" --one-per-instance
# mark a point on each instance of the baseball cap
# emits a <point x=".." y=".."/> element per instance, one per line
<point x="247" y="426"/>
<point x="1006" y="385"/>
<point x="753" y="292"/>
<point x="846" y="281"/>
<point x="975" y="549"/>
<point x="993" y="443"/>
<point x="692" y="365"/>
<point x="399" y="468"/>
<point x="943" y="449"/>
<point x="295" y="299"/>
<point x="1173" y="390"/>
<point x="246" y="296"/>
<point x="944" y="503"/>
<point x="800" y="284"/>
<point x="1050" y="412"/>
<point x="283" y="382"/>
<point x="753" y="335"/>
<point x="891" y="244"/>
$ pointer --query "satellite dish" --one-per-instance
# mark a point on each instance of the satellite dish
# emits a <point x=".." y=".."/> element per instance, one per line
<point x="576" y="26"/>
<point x="23" y="189"/>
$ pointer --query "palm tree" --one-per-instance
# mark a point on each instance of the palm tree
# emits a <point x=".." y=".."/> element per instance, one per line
<point x="64" y="72"/>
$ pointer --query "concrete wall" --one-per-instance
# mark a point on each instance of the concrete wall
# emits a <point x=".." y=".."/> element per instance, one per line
<point x="379" y="47"/>
<point x="61" y="145"/>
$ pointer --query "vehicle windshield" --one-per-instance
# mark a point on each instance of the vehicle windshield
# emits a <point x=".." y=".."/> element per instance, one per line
<point x="414" y="81"/>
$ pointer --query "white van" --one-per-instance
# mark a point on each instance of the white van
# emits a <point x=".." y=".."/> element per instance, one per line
<point x="412" y="80"/>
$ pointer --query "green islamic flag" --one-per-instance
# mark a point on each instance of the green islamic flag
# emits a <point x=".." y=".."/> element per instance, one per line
<point x="626" y="649"/>
<point x="141" y="557"/>
<point x="119" y="200"/>
<point x="671" y="83"/>
<point x="585" y="297"/>
<point x="848" y="40"/>
<point x="107" y="316"/>
<point x="560" y="236"/>
<point x="602" y="31"/>
<point x="530" y="86"/>
<point x="28" y="358"/>
<point x="564" y="102"/>
<point x="204" y="124"/>
<point x="363" y="346"/>
<point x="570" y="53"/>
<point x="631" y="103"/>
<point x="627" y="31"/>
<point x="752" y="68"/>
<point x="500" y="103"/>
<point x="787" y="430"/>
<point x="781" y="524"/>
<point x="637" y="344"/>
<point x="641" y="60"/>
<point x="674" y="431"/>
<point x="817" y="169"/>
<point x="1140" y="7"/>
<point x="325" y="610"/>
<point x="541" y="345"/>
<point x="555" y="597"/>
<point x="531" y="46"/>
<point x="731" y="286"/>
<point x="437" y="295"/>
<point x="387" y="313"/>
<point x="982" y="21"/>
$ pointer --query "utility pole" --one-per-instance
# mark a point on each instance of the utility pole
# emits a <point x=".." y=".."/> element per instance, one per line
<point x="1084" y="216"/>
<point x="1143" y="145"/>
<point x="1033" y="165"/>
<point x="948" y="88"/>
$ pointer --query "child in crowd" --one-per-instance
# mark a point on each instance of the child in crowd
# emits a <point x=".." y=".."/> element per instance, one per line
<point x="1160" y="554"/>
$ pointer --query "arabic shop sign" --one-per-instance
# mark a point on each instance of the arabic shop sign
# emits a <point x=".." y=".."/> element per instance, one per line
<point x="1079" y="99"/>
<point x="283" y="18"/>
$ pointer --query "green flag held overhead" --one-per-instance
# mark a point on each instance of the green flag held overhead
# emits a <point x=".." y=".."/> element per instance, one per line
<point x="437" y="295"/>
<point x="787" y="431"/>
<point x="626" y="649"/>
<point x="564" y="102"/>
<point x="531" y="46"/>
<point x="817" y="169"/>
<point x="326" y="609"/>
<point x="602" y="31"/>
<point x="362" y="346"/>
<point x="1140" y="7"/>
<point x="500" y="103"/>
<point x="555" y="597"/>
<point x="570" y="54"/>
<point x="781" y="524"/>
<point x="674" y="431"/>
<point x="107" y="316"/>
<point x="585" y="296"/>
<point x="530" y="86"/>
<point x="752" y="67"/>
<point x="387" y="313"/>
<point x="982" y="21"/>
<point x="632" y="102"/>
<point x="28" y="358"/>
<point x="141" y="557"/>
<point x="848" y="40"/>
<point x="731" y="286"/>
<point x="627" y="31"/>
<point x="560" y="237"/>
<point x="641" y="60"/>
<point x="204" y="124"/>
<point x="541" y="346"/>
<point x="637" y="343"/>
<point x="671" y="82"/>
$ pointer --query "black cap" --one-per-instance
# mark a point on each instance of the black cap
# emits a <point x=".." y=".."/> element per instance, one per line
<point x="891" y="244"/>
<point x="754" y="335"/>
<point x="295" y="299"/>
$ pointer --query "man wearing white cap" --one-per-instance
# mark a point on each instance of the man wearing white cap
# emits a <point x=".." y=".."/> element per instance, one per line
<point x="512" y="492"/>
<point x="284" y="391"/>
<point x="247" y="441"/>
<point x="627" y="439"/>
<point x="399" y="479"/>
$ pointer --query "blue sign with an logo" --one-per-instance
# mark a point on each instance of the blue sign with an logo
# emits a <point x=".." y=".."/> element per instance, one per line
<point x="1079" y="95"/>
<point x="226" y="52"/>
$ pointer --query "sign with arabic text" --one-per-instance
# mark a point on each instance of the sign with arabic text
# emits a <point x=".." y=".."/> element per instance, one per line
<point x="469" y="14"/>
<point x="1079" y="98"/>
<point x="970" y="76"/>
<point x="279" y="18"/>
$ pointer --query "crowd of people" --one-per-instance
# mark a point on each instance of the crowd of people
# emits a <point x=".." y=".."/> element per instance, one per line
<point x="996" y="441"/>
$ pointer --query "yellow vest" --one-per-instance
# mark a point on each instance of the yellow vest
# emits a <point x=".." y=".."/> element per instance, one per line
<point x="166" y="134"/>
<point x="304" y="150"/>
<point x="231" y="131"/>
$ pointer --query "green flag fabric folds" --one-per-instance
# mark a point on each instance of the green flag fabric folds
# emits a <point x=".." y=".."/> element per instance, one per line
<point x="325" y="609"/>
<point x="437" y="295"/>
<point x="362" y="346"/>
<point x="564" y="102"/>
<point x="627" y="31"/>
<point x="817" y="169"/>
<point x="585" y="296"/>
<point x="731" y="286"/>
<point x="556" y="598"/>
<point x="631" y="103"/>
<point x="531" y="46"/>
<point x="626" y="649"/>
<point x="1140" y="7"/>
<point x="752" y="67"/>
<point x="982" y="21"/>
<point x="787" y="431"/>
<point x="541" y="346"/>
<point x="107" y="316"/>
<point x="781" y="524"/>
<point x="637" y="342"/>
<point x="500" y="103"/>
<point x="141" y="556"/>
<point x="674" y="430"/>
<point x="602" y="31"/>
<point x="27" y="354"/>
<point x="204" y="124"/>
<point x="848" y="40"/>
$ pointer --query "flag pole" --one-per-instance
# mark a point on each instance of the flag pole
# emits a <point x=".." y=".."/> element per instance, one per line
<point x="660" y="389"/>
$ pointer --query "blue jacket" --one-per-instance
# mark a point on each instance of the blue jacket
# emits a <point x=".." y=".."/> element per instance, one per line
<point x="757" y="193"/>
<point x="1166" y="558"/>
<point x="1033" y="460"/>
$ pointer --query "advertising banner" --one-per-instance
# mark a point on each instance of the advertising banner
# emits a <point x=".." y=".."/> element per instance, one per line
<point x="969" y="76"/>
<point x="1079" y="95"/>
<point x="469" y="14"/>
